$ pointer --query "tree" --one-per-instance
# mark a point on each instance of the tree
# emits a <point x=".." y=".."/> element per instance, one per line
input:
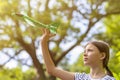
<point x="20" y="37"/>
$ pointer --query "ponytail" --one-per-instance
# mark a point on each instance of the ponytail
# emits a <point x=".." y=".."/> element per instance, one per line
<point x="108" y="71"/>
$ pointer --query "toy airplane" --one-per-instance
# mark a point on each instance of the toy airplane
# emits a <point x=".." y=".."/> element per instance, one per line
<point x="52" y="27"/>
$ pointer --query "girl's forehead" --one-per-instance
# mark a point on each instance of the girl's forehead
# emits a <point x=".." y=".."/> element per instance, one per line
<point x="90" y="46"/>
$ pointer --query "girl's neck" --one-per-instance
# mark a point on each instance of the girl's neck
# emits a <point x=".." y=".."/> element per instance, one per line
<point x="97" y="72"/>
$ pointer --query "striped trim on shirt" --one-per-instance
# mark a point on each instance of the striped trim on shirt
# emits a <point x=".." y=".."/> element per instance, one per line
<point x="84" y="76"/>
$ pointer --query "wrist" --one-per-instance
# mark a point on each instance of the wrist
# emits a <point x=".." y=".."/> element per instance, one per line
<point x="43" y="41"/>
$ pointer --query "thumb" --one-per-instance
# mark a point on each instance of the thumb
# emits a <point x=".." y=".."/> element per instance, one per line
<point x="51" y="35"/>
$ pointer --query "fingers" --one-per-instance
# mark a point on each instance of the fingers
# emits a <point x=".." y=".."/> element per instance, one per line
<point x="47" y="32"/>
<point x="42" y="30"/>
<point x="51" y="35"/>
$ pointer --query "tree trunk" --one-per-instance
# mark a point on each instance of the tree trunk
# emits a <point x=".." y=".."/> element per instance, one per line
<point x="39" y="68"/>
<point x="52" y="78"/>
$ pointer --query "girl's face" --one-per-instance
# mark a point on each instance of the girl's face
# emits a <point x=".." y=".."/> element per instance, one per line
<point x="92" y="56"/>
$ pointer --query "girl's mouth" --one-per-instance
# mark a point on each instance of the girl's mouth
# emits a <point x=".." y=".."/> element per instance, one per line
<point x="85" y="59"/>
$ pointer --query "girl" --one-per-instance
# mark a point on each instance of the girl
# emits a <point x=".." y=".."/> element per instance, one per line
<point x="96" y="56"/>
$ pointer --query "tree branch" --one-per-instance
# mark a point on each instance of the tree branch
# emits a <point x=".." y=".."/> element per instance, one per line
<point x="112" y="13"/>
<point x="78" y="42"/>
<point x="10" y="57"/>
<point x="91" y="24"/>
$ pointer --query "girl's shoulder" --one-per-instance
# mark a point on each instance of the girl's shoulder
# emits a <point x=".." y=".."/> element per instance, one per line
<point x="107" y="77"/>
<point x="85" y="76"/>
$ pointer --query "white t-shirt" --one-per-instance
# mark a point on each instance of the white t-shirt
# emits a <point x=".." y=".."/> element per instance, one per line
<point x="84" y="76"/>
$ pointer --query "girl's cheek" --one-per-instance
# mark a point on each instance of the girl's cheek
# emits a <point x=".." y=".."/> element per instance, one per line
<point x="91" y="55"/>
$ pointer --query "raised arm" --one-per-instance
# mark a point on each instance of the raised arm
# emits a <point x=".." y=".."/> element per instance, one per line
<point x="50" y="66"/>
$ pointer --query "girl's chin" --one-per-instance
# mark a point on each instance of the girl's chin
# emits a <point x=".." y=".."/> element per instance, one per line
<point x="86" y="64"/>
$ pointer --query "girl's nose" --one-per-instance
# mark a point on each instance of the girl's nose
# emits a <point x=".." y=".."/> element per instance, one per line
<point x="85" y="53"/>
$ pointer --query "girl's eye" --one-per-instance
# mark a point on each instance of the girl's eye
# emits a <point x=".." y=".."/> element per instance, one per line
<point x="89" y="50"/>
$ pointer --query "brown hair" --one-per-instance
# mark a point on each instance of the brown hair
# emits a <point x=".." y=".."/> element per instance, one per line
<point x="103" y="47"/>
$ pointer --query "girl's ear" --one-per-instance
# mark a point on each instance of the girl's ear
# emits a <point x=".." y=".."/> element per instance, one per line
<point x="102" y="56"/>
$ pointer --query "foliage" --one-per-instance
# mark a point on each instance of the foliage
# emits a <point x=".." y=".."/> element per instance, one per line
<point x="78" y="66"/>
<point x="114" y="7"/>
<point x="16" y="74"/>
<point x="112" y="31"/>
<point x="117" y="76"/>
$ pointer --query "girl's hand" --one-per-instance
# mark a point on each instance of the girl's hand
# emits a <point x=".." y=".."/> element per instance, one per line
<point x="46" y="34"/>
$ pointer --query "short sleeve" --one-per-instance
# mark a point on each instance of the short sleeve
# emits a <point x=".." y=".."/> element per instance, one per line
<point x="81" y="76"/>
<point x="109" y="78"/>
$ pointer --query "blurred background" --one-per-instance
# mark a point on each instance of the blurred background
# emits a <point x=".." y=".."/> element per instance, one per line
<point x="80" y="21"/>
